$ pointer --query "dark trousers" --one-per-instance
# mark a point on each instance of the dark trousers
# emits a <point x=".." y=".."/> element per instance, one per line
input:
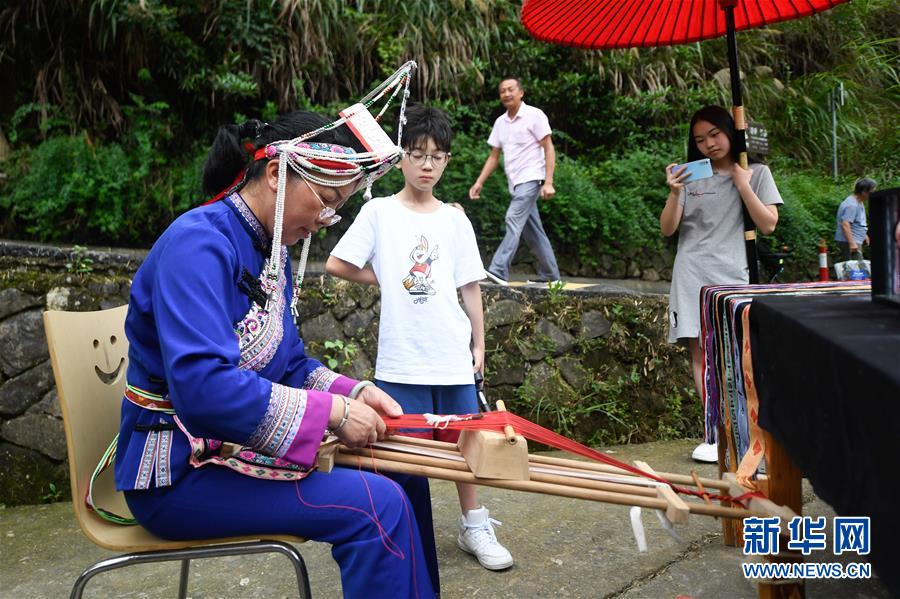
<point x="845" y="251"/>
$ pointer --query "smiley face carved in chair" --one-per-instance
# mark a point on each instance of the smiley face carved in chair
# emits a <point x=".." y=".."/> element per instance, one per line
<point x="110" y="357"/>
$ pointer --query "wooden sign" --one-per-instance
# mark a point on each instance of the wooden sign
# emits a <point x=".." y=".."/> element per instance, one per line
<point x="757" y="138"/>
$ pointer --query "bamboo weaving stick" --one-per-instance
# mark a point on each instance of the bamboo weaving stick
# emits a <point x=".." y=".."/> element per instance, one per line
<point x="585" y="483"/>
<point x="678" y="479"/>
<point x="534" y="486"/>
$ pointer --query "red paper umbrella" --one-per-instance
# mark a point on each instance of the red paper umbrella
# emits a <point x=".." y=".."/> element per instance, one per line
<point x="607" y="24"/>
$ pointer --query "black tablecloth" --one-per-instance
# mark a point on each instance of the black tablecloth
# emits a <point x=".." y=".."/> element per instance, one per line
<point x="827" y="370"/>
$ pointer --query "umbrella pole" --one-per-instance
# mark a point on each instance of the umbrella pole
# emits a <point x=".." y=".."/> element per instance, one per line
<point x="737" y="111"/>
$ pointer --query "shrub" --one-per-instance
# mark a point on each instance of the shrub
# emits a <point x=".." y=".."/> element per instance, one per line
<point x="70" y="191"/>
<point x="808" y="215"/>
<point x="77" y="190"/>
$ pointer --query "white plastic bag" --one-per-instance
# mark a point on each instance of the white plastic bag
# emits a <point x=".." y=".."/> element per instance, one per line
<point x="853" y="270"/>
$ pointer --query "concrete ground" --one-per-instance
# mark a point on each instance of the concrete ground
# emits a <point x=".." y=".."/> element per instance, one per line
<point x="588" y="284"/>
<point x="563" y="548"/>
<point x="517" y="280"/>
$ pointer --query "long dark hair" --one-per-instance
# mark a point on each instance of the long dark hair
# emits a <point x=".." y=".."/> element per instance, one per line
<point x="721" y="118"/>
<point x="228" y="156"/>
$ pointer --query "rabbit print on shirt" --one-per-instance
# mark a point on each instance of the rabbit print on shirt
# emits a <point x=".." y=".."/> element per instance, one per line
<point x="418" y="281"/>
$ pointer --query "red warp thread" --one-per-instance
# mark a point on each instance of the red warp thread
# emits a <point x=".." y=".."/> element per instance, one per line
<point x="386" y="540"/>
<point x="496" y="421"/>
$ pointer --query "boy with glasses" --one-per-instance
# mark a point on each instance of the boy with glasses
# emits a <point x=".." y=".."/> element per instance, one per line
<point x="422" y="251"/>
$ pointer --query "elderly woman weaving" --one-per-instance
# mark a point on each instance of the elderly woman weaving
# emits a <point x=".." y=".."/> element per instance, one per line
<point x="215" y="359"/>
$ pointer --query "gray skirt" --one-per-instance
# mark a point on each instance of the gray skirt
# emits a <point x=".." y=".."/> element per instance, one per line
<point x="689" y="274"/>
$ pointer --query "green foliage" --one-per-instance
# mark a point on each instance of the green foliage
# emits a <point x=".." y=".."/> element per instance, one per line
<point x="70" y="187"/>
<point x="340" y="353"/>
<point x="679" y="419"/>
<point x="52" y="495"/>
<point x="808" y="215"/>
<point x="628" y="385"/>
<point x="49" y="118"/>
<point x="75" y="188"/>
<point x="79" y="262"/>
<point x="555" y="292"/>
<point x="855" y="44"/>
<point x="109" y="106"/>
<point x="208" y="61"/>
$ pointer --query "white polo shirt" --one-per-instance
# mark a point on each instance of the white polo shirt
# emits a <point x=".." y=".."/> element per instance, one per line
<point x="519" y="138"/>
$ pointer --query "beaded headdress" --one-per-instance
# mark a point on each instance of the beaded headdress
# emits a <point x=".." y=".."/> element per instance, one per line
<point x="336" y="166"/>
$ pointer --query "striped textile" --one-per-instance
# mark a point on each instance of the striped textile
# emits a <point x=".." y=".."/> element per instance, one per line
<point x="729" y="392"/>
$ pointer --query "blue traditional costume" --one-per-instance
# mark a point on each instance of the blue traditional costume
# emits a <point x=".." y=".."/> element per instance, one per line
<point x="215" y="357"/>
<point x="200" y="343"/>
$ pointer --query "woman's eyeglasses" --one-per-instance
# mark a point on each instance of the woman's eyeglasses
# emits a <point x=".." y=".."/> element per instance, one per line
<point x="438" y="159"/>
<point x="327" y="216"/>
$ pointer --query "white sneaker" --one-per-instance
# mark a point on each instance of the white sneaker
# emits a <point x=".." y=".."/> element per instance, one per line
<point x="706" y="452"/>
<point x="476" y="536"/>
<point x="495" y="278"/>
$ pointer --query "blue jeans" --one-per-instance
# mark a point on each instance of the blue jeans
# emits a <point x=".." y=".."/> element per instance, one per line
<point x="523" y="219"/>
<point x="421" y="399"/>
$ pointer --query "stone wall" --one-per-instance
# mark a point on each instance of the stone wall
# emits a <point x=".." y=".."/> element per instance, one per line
<point x="592" y="365"/>
<point x="34" y="278"/>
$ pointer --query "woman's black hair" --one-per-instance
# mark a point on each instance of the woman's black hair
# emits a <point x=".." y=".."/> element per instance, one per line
<point x="423" y="122"/>
<point x="721" y="119"/>
<point x="228" y="155"/>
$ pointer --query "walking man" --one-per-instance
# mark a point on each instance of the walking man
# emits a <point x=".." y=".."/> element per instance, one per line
<point x="851" y="229"/>
<point x="522" y="133"/>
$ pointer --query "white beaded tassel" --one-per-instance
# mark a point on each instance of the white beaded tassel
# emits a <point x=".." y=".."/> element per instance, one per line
<point x="275" y="257"/>
<point x="298" y="281"/>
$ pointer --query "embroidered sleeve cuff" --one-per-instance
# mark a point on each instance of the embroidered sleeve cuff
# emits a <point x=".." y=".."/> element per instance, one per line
<point x="323" y="379"/>
<point x="305" y="445"/>
<point x="293" y="425"/>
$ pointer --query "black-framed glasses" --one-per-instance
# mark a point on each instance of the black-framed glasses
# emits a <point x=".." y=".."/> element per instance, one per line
<point x="418" y="158"/>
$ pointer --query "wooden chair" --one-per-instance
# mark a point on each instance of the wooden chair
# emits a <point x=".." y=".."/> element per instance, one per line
<point x="89" y="353"/>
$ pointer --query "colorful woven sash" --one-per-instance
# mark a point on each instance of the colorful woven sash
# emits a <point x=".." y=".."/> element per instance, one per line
<point x="204" y="452"/>
<point x="729" y="395"/>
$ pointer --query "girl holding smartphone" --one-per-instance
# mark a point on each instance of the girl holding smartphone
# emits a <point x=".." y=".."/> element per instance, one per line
<point x="707" y="213"/>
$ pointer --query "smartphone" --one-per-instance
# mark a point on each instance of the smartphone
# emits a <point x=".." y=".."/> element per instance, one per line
<point x="696" y="170"/>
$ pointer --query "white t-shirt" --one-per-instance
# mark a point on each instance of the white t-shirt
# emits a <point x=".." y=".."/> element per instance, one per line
<point x="520" y="139"/>
<point x="420" y="260"/>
